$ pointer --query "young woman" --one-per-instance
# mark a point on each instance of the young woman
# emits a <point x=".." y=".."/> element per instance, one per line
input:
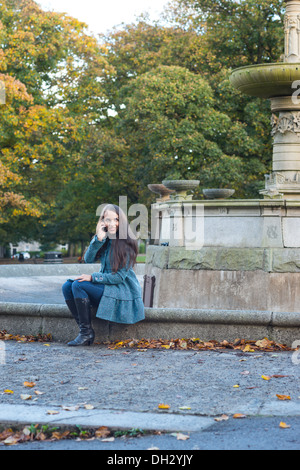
<point x="115" y="290"/>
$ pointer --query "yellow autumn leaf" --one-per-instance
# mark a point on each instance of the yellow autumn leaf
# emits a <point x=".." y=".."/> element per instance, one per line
<point x="166" y="346"/>
<point x="162" y="406"/>
<point x="263" y="343"/>
<point x="266" y="377"/>
<point x="29" y="384"/>
<point x="8" y="391"/>
<point x="248" y="348"/>
<point x="239" y="416"/>
<point x="236" y="386"/>
<point x="283" y="425"/>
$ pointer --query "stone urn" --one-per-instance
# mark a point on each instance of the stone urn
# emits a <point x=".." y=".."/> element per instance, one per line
<point x="218" y="193"/>
<point x="163" y="192"/>
<point x="181" y="188"/>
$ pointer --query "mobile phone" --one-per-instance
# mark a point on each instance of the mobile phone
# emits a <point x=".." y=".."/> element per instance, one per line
<point x="104" y="229"/>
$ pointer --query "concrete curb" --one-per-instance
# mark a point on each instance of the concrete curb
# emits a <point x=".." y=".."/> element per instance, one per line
<point x="19" y="415"/>
<point x="115" y="420"/>
<point x="166" y="323"/>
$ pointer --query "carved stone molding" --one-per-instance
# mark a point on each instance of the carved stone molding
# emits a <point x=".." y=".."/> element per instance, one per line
<point x="286" y="122"/>
<point x="276" y="179"/>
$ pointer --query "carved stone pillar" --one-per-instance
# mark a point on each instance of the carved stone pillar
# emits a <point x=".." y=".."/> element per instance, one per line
<point x="285" y="179"/>
<point x="292" y="31"/>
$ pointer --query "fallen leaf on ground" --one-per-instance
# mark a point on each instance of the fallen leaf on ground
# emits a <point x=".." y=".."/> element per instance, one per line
<point x="8" y="392"/>
<point x="263" y="343"/>
<point x="283" y="425"/>
<point x="239" y="416"/>
<point x="56" y="435"/>
<point x="182" y="437"/>
<point x="5" y="434"/>
<point x="196" y="344"/>
<point x="276" y="376"/>
<point x="70" y="408"/>
<point x="185" y="408"/>
<point x="236" y="386"/>
<point x="25" y="338"/>
<point x="108" y="439"/>
<point x="266" y="377"/>
<point x="11" y="441"/>
<point x="222" y="418"/>
<point x="162" y="406"/>
<point x="89" y="407"/>
<point x="25" y="397"/>
<point x="102" y="432"/>
<point x="52" y="412"/>
<point x="29" y="384"/>
<point x="283" y="397"/>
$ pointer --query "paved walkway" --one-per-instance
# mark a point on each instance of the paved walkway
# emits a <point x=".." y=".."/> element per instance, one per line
<point x="35" y="289"/>
<point x="125" y="387"/>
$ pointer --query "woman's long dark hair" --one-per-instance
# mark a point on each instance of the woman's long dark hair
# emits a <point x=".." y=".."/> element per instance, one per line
<point x="124" y="245"/>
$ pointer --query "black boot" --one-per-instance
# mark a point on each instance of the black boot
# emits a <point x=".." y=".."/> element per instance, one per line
<point x="87" y="335"/>
<point x="73" y="309"/>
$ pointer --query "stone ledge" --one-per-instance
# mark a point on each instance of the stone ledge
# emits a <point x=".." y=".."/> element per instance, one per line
<point x="277" y="260"/>
<point x="166" y="323"/>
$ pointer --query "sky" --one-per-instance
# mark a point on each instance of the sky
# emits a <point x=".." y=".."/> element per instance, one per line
<point x="102" y="15"/>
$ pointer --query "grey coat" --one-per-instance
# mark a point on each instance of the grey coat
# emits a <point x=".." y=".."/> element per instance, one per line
<point x="122" y="298"/>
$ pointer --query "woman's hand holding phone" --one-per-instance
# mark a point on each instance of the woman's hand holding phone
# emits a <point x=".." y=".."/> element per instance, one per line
<point x="101" y="230"/>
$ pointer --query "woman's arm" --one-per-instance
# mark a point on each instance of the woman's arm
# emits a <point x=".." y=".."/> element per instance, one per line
<point x="93" y="249"/>
<point x="110" y="278"/>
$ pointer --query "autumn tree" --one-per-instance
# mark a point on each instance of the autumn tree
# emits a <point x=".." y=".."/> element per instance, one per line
<point x="44" y="128"/>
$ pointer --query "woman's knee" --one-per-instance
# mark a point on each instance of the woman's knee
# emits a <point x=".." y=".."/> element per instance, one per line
<point x="67" y="290"/>
<point x="76" y="286"/>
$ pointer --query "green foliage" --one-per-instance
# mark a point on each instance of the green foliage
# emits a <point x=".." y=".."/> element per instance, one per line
<point x="174" y="131"/>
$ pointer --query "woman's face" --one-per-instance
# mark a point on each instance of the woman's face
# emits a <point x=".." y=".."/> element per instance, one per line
<point x="111" y="220"/>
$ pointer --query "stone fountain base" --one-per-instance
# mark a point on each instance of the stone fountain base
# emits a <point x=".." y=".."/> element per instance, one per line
<point x="226" y="278"/>
<point x="249" y="258"/>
